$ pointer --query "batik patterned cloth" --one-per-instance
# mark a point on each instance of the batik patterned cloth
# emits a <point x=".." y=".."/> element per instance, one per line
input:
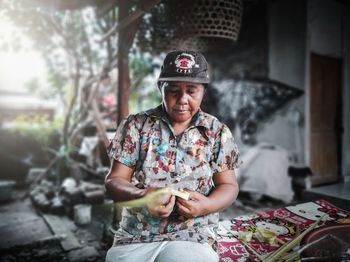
<point x="147" y="143"/>
<point x="285" y="222"/>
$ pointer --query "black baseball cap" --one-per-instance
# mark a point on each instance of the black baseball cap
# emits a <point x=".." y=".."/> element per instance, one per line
<point x="187" y="66"/>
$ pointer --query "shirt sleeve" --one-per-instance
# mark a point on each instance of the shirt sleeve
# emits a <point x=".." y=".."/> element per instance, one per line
<point x="225" y="152"/>
<point x="125" y="145"/>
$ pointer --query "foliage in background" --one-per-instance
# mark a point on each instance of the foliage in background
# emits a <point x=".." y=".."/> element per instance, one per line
<point x="144" y="94"/>
<point x="80" y="69"/>
<point x="76" y="61"/>
<point x="39" y="128"/>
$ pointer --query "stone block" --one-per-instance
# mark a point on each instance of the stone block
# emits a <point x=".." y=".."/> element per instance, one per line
<point x="33" y="173"/>
<point x="74" y="195"/>
<point x="6" y="190"/>
<point x="84" y="254"/>
<point x="94" y="197"/>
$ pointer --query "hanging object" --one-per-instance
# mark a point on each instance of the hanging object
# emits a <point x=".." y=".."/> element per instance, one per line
<point x="198" y="25"/>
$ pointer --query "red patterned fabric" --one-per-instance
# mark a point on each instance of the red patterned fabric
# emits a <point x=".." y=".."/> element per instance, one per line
<point x="285" y="222"/>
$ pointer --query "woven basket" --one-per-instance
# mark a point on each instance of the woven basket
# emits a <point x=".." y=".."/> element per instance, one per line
<point x="196" y="25"/>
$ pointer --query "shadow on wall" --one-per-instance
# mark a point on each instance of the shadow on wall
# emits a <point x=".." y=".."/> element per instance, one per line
<point x="248" y="103"/>
<point x="245" y="105"/>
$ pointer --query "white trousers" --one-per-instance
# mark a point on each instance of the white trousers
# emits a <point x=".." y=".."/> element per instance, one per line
<point x="167" y="251"/>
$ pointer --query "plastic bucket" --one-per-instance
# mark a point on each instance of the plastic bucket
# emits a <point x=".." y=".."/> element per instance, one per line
<point x="82" y="214"/>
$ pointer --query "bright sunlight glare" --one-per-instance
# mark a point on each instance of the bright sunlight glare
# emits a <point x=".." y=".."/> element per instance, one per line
<point x="17" y="67"/>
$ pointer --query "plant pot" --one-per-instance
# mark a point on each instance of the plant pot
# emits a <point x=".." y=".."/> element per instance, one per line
<point x="6" y="190"/>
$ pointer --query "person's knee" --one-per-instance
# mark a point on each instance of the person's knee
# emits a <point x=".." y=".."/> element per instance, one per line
<point x="110" y="256"/>
<point x="187" y="251"/>
<point x="120" y="253"/>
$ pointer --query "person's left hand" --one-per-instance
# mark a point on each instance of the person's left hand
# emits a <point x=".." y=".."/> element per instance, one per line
<point x="196" y="206"/>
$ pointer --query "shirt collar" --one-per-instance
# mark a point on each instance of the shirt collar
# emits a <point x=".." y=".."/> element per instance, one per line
<point x="199" y="119"/>
<point x="157" y="113"/>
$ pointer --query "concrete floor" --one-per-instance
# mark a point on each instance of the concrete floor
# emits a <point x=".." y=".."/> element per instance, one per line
<point x="28" y="235"/>
<point x="338" y="194"/>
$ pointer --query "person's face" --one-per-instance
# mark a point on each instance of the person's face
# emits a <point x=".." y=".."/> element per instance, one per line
<point x="182" y="100"/>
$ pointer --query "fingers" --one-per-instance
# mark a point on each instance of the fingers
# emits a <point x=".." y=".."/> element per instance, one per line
<point x="159" y="197"/>
<point x="161" y="210"/>
<point x="163" y="203"/>
<point x="165" y="198"/>
<point x="168" y="208"/>
<point x="183" y="210"/>
<point x="193" y="207"/>
<point x="194" y="197"/>
<point x="186" y="203"/>
<point x="171" y="203"/>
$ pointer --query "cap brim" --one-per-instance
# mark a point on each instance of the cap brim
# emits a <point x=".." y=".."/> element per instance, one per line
<point x="184" y="79"/>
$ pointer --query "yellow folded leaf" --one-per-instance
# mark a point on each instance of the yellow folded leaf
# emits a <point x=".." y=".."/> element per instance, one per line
<point x="181" y="194"/>
<point x="154" y="197"/>
<point x="245" y="236"/>
<point x="280" y="252"/>
<point x="264" y="235"/>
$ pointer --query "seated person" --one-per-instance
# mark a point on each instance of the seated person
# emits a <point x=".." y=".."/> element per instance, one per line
<point x="174" y="145"/>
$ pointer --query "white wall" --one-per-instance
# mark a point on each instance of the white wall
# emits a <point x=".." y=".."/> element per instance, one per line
<point x="328" y="25"/>
<point x="286" y="56"/>
<point x="297" y="29"/>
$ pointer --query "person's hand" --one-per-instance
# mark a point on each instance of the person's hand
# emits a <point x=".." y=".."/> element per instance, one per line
<point x="160" y="204"/>
<point x="196" y="206"/>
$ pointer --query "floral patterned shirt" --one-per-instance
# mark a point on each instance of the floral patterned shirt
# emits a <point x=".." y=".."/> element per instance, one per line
<point x="146" y="142"/>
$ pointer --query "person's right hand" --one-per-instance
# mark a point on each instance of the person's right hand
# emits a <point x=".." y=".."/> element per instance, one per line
<point x="160" y="205"/>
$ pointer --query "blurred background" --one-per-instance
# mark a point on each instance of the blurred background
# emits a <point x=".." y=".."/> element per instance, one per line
<point x="71" y="70"/>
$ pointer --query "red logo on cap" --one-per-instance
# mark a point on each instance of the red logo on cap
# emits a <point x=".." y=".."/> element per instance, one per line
<point x="184" y="63"/>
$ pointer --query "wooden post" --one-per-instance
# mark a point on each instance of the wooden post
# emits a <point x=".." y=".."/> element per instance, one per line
<point x="125" y="40"/>
<point x="123" y="66"/>
<point x="123" y="86"/>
